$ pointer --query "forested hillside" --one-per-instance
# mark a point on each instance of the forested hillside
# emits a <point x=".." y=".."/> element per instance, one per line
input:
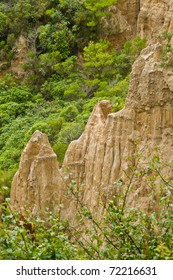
<point x="65" y="66"/>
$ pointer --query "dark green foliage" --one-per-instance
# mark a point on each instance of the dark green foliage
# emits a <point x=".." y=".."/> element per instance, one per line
<point x="60" y="149"/>
<point x="69" y="113"/>
<point x="70" y="132"/>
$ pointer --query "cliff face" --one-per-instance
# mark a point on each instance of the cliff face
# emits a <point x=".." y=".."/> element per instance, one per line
<point x="101" y="155"/>
<point x="146" y="18"/>
<point x="121" y="25"/>
<point x="155" y="17"/>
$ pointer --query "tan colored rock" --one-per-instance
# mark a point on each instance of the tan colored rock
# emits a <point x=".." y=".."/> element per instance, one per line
<point x="121" y="25"/>
<point x="20" y="58"/>
<point x="146" y="18"/>
<point x="151" y="85"/>
<point x="84" y="157"/>
<point x="16" y="65"/>
<point x="155" y="17"/>
<point x="37" y="185"/>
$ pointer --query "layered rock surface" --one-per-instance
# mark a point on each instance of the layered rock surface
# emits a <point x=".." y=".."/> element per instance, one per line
<point x="155" y="17"/>
<point x="121" y="25"/>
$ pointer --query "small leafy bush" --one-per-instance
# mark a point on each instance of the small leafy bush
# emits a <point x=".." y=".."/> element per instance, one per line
<point x="167" y="50"/>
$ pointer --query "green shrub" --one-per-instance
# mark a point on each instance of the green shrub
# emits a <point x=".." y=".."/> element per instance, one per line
<point x="60" y="149"/>
<point x="70" y="132"/>
<point x="33" y="239"/>
<point x="5" y="182"/>
<point x="69" y="113"/>
<point x="167" y="50"/>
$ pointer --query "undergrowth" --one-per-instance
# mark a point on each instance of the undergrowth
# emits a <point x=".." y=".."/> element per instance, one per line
<point x="125" y="230"/>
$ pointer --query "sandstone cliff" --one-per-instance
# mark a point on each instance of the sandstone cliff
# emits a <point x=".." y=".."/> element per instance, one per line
<point x="101" y="155"/>
<point x="121" y="25"/>
<point x="155" y="17"/>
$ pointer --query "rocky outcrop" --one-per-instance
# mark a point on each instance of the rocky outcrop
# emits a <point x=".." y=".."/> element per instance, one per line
<point x="37" y="185"/>
<point x="145" y="18"/>
<point x="155" y="17"/>
<point x="20" y="59"/>
<point x="16" y="65"/>
<point x="101" y="155"/>
<point x="83" y="161"/>
<point x="121" y="25"/>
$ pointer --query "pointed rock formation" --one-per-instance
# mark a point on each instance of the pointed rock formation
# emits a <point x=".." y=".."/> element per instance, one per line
<point x="37" y="185"/>
<point x="84" y="158"/>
